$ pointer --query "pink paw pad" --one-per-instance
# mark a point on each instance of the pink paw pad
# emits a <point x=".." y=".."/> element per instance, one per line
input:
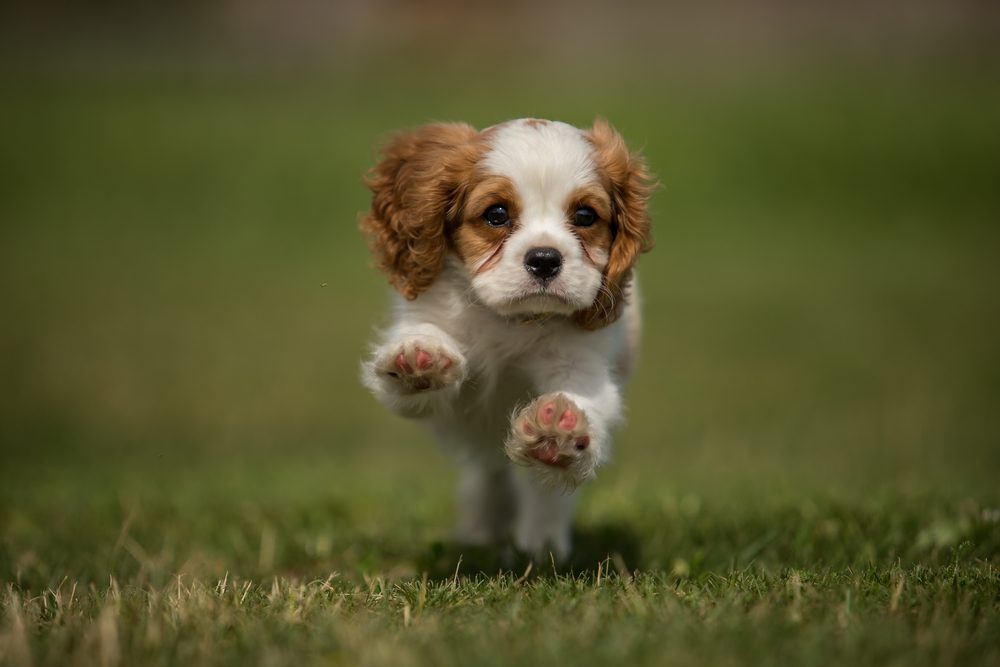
<point x="424" y="360"/>
<point x="567" y="421"/>
<point x="548" y="452"/>
<point x="546" y="413"/>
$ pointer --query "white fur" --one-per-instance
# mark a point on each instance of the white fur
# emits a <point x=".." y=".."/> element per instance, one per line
<point x="503" y="360"/>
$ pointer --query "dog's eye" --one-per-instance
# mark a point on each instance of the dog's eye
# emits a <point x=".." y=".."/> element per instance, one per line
<point x="496" y="216"/>
<point x="584" y="217"/>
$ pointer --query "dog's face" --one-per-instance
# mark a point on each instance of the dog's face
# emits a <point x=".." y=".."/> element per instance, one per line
<point x="545" y="218"/>
<point x="535" y="231"/>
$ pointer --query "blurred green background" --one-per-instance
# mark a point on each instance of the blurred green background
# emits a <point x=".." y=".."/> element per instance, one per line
<point x="185" y="297"/>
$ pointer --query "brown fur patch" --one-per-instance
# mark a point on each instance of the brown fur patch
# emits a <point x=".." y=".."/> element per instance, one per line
<point x="419" y="188"/>
<point x="597" y="237"/>
<point x="626" y="179"/>
<point x="536" y="122"/>
<point x="476" y="242"/>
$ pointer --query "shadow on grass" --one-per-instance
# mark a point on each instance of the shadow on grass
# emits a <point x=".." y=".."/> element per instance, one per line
<point x="604" y="545"/>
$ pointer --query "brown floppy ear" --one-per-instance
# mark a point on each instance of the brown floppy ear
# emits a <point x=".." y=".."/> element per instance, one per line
<point x="627" y="180"/>
<point x="418" y="187"/>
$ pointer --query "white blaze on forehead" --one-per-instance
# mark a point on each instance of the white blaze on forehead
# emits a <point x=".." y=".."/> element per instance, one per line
<point x="545" y="160"/>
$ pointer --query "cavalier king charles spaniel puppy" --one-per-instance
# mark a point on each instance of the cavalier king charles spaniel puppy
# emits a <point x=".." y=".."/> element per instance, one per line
<point x="516" y="322"/>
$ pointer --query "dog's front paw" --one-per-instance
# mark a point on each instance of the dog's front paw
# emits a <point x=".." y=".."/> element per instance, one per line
<point x="552" y="434"/>
<point x="420" y="364"/>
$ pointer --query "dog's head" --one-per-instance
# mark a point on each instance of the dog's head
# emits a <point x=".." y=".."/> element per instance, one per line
<point x="547" y="219"/>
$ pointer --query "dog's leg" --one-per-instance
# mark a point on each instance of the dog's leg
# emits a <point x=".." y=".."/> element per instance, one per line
<point x="544" y="516"/>
<point x="416" y="372"/>
<point x="561" y="437"/>
<point x="485" y="502"/>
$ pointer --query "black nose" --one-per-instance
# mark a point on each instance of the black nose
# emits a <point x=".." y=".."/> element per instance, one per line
<point x="543" y="263"/>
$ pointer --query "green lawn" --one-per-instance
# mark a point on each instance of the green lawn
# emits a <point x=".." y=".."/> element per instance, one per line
<point x="191" y="472"/>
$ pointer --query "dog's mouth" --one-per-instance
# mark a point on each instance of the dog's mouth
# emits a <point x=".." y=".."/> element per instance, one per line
<point x="541" y="302"/>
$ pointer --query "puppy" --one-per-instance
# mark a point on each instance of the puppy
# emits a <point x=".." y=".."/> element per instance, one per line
<point x="516" y="323"/>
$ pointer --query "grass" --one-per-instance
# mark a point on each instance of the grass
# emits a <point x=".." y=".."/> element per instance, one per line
<point x="192" y="474"/>
<point x="881" y="616"/>
<point x="820" y="583"/>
